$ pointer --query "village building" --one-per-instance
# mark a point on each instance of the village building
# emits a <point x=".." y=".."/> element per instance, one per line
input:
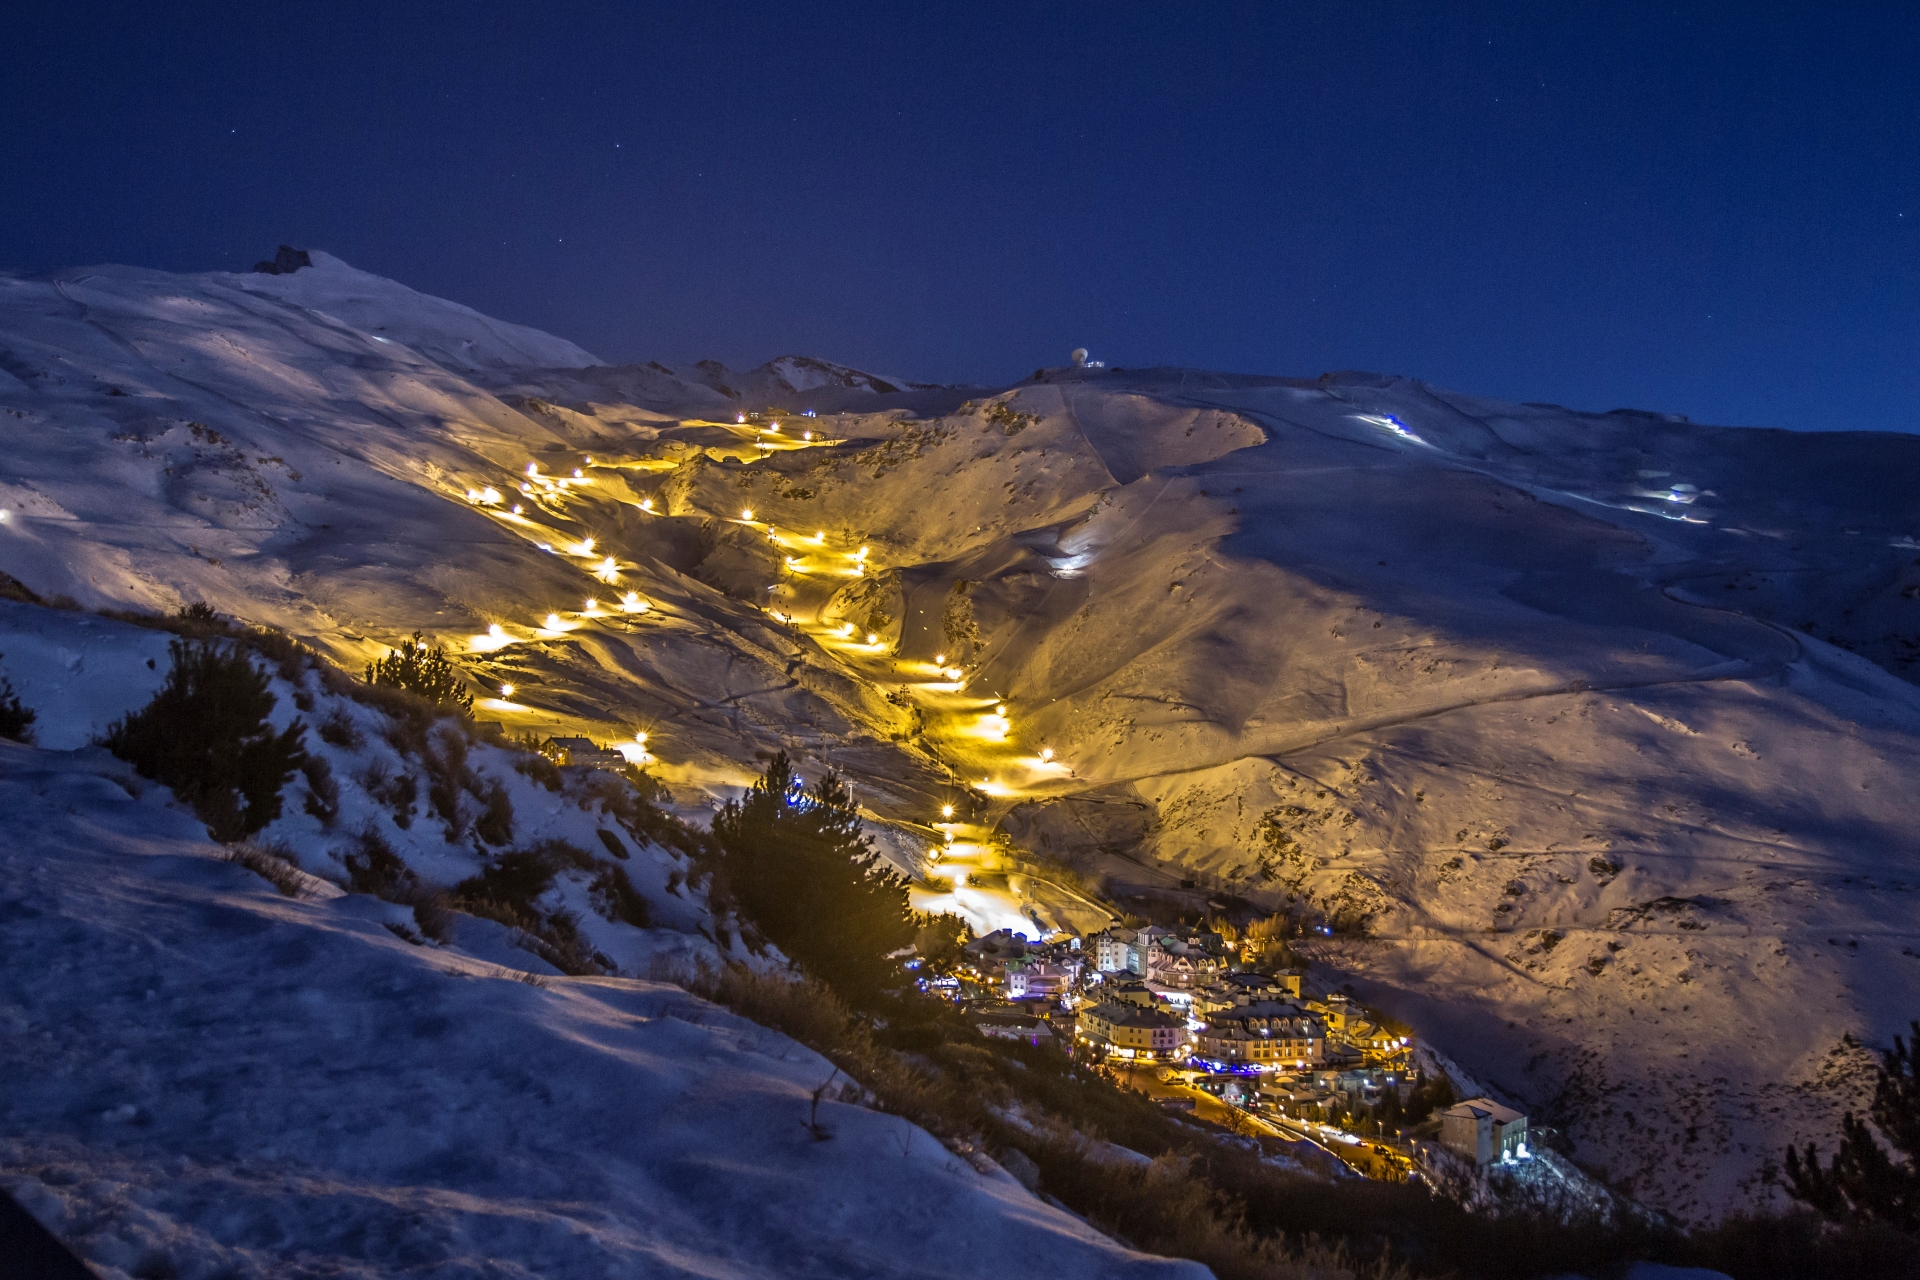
<point x="582" y="753"/>
<point x="1231" y="989"/>
<point x="1128" y="991"/>
<point x="1268" y="1035"/>
<point x="1129" y="1031"/>
<point x="1037" y="977"/>
<point x="1110" y="950"/>
<point x="989" y="955"/>
<point x="1012" y="1024"/>
<point x="1484" y="1131"/>
<point x="1185" y="963"/>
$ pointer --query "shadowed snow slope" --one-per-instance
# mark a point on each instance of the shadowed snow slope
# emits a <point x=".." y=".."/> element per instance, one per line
<point x="207" y="1079"/>
<point x="1595" y="728"/>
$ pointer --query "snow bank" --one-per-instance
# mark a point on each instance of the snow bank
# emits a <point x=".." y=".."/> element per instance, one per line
<point x="208" y="1079"/>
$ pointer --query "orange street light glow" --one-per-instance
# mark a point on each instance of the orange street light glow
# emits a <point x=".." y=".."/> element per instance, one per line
<point x="1046" y="754"/>
<point x="946" y="811"/>
<point x="939" y="659"/>
<point x="506" y="691"/>
<point x="646" y="504"/>
<point x="578" y="473"/>
<point x="632" y="602"/>
<point x="746" y="513"/>
<point x="593" y="606"/>
<point x="820" y="536"/>
<point x="872" y="638"/>
<point x="516" y="508"/>
<point x="585" y="548"/>
<point x="553" y="622"/>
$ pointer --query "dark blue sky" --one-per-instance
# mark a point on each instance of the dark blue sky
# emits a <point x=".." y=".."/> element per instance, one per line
<point x="1713" y="210"/>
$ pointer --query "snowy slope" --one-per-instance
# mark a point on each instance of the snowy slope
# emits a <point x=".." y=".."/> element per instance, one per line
<point x="1596" y="721"/>
<point x="208" y="1079"/>
<point x="389" y="312"/>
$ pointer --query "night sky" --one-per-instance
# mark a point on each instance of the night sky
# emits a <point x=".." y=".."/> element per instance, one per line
<point x="1707" y="209"/>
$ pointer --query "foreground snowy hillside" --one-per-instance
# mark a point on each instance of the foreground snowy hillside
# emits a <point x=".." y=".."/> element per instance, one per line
<point x="207" y="1079"/>
<point x="1588" y="732"/>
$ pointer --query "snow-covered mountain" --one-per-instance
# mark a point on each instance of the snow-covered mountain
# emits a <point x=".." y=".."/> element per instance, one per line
<point x="206" y="1078"/>
<point x="1594" y="730"/>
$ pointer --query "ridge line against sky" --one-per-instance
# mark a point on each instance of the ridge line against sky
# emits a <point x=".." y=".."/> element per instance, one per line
<point x="1696" y="209"/>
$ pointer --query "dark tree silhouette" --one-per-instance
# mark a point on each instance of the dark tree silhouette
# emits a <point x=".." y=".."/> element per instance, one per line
<point x="206" y="735"/>
<point x="1864" y="1182"/>
<point x="802" y="871"/>
<point x="16" y="718"/>
<point x="423" y="669"/>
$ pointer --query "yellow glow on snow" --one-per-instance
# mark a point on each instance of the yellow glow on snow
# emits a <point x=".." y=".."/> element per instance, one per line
<point x="861" y="554"/>
<point x="820" y="536"/>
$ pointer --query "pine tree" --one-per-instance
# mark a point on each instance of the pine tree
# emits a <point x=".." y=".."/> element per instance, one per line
<point x="803" y="872"/>
<point x="423" y="669"/>
<point x="16" y="718"/>
<point x="206" y="735"/>
<point x="1864" y="1182"/>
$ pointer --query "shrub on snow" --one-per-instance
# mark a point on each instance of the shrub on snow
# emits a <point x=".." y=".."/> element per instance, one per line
<point x="206" y="736"/>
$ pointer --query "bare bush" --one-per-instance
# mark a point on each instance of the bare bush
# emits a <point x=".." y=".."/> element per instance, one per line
<point x="272" y="862"/>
